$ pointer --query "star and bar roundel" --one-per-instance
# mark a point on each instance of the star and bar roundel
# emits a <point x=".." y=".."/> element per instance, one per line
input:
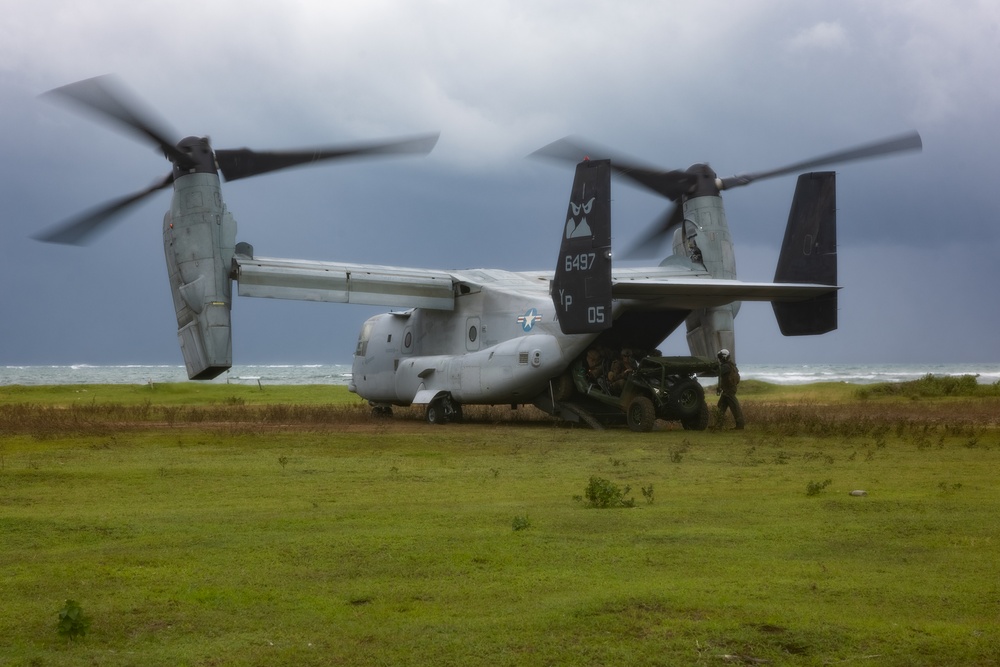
<point x="527" y="321"/>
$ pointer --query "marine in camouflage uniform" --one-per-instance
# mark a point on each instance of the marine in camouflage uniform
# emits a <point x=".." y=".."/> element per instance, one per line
<point x="728" y="382"/>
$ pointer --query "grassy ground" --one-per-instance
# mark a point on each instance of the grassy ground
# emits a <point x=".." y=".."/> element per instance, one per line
<point x="229" y="525"/>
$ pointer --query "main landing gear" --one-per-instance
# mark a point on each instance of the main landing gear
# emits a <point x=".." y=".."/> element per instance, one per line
<point x="381" y="411"/>
<point x="443" y="409"/>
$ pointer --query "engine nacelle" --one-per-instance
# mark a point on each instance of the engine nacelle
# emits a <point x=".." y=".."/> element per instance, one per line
<point x="705" y="235"/>
<point x="199" y="238"/>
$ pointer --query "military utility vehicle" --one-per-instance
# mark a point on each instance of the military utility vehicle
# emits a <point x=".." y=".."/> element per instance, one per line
<point x="640" y="392"/>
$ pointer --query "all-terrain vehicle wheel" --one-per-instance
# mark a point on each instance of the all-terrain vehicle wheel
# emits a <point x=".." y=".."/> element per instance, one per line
<point x="688" y="398"/>
<point x="700" y="421"/>
<point x="640" y="414"/>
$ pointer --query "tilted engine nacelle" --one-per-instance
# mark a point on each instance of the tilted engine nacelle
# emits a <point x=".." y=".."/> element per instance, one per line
<point x="712" y="329"/>
<point x="704" y="236"/>
<point x="199" y="237"/>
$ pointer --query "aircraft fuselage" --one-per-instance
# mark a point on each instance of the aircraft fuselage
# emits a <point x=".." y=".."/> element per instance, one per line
<point x="501" y="344"/>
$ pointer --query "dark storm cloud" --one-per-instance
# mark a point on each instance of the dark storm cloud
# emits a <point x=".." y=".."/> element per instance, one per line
<point x="744" y="86"/>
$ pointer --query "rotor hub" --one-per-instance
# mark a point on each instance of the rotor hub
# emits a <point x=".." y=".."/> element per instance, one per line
<point x="199" y="157"/>
<point x="706" y="181"/>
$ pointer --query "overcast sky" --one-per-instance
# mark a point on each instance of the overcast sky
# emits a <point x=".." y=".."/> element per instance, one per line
<point x="744" y="86"/>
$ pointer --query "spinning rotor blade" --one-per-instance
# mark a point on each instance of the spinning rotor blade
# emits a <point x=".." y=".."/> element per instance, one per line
<point x="649" y="243"/>
<point x="243" y="162"/>
<point x="79" y="230"/>
<point x="670" y="184"/>
<point x="905" y="142"/>
<point x="106" y="97"/>
<point x="568" y="149"/>
<point x="675" y="184"/>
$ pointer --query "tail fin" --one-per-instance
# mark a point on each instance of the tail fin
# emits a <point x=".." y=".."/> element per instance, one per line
<point x="581" y="288"/>
<point x="809" y="255"/>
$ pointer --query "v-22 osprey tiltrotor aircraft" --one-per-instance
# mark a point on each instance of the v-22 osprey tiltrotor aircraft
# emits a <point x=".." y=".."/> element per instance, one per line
<point x="490" y="336"/>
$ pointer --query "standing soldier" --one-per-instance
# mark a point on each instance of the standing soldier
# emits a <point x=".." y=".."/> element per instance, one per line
<point x="729" y="380"/>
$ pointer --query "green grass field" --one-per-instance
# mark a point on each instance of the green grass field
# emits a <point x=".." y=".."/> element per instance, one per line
<point x="232" y="525"/>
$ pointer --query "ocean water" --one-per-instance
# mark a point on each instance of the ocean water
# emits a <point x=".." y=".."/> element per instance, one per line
<point x="272" y="374"/>
<point x="340" y="374"/>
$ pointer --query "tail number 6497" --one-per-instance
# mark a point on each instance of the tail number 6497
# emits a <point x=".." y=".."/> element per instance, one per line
<point x="582" y="262"/>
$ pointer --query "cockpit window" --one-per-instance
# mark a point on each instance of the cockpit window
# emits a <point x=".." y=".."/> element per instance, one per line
<point x="366" y="333"/>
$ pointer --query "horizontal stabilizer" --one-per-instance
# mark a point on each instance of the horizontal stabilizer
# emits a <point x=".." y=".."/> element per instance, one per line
<point x="809" y="255"/>
<point x="691" y="293"/>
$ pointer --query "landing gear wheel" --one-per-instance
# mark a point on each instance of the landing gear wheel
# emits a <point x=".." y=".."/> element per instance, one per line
<point x="442" y="410"/>
<point x="699" y="422"/>
<point x="688" y="397"/>
<point x="382" y="411"/>
<point x="435" y="412"/>
<point x="640" y="414"/>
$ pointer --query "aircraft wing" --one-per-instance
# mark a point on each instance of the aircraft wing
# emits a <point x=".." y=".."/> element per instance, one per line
<point x="404" y="287"/>
<point x="337" y="282"/>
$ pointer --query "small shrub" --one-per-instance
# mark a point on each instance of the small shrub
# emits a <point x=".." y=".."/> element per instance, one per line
<point x="603" y="493"/>
<point x="520" y="522"/>
<point x="647" y="493"/>
<point x="73" y="623"/>
<point x="677" y="453"/>
<point x="814" y="488"/>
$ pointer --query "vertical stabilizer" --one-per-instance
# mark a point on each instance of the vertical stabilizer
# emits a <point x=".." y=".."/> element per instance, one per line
<point x="809" y="255"/>
<point x="581" y="288"/>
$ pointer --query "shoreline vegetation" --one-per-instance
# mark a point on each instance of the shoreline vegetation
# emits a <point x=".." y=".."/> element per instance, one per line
<point x="926" y="402"/>
<point x="195" y="524"/>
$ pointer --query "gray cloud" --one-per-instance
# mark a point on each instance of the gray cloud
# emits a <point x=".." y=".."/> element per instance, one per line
<point x="744" y="86"/>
